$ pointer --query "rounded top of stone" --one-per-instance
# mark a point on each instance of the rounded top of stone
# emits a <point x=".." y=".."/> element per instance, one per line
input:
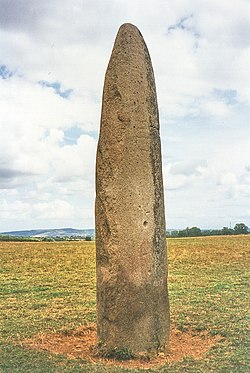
<point x="129" y="29"/>
<point x="128" y="26"/>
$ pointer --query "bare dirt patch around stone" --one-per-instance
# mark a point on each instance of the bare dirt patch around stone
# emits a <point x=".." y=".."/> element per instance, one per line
<point x="81" y="343"/>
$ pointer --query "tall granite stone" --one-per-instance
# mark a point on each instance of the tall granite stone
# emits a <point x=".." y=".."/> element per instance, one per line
<point x="132" y="298"/>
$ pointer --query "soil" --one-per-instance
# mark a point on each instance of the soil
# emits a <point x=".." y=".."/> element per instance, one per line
<point x="81" y="343"/>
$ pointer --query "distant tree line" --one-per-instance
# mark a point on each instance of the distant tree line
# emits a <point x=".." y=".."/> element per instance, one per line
<point x="6" y="237"/>
<point x="9" y="238"/>
<point x="240" y="228"/>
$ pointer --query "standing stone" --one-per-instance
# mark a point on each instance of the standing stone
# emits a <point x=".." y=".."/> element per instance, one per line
<point x="132" y="298"/>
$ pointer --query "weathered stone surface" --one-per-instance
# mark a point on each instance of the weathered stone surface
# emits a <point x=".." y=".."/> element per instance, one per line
<point x="132" y="299"/>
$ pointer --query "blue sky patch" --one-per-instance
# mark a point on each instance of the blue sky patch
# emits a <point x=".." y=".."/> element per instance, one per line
<point x="227" y="95"/>
<point x="71" y="135"/>
<point x="182" y="24"/>
<point x="5" y="73"/>
<point x="57" y="88"/>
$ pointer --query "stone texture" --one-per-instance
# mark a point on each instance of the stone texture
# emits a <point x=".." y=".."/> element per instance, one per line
<point x="132" y="299"/>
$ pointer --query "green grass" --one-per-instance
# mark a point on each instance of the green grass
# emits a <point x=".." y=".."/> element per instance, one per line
<point x="49" y="287"/>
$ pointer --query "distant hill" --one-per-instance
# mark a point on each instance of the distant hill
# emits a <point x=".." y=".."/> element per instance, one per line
<point x="61" y="232"/>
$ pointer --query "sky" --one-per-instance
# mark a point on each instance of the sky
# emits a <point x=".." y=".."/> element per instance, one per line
<point x="53" y="58"/>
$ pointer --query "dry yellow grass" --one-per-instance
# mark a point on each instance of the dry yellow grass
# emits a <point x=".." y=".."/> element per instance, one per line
<point x="50" y="287"/>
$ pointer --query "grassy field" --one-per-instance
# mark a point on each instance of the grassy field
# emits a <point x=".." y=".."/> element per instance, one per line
<point x="50" y="287"/>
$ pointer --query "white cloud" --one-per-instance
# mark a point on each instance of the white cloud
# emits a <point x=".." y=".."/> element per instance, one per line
<point x="200" y="53"/>
<point x="180" y="175"/>
<point x="74" y="161"/>
<point x="54" y="210"/>
<point x="227" y="178"/>
<point x="16" y="210"/>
